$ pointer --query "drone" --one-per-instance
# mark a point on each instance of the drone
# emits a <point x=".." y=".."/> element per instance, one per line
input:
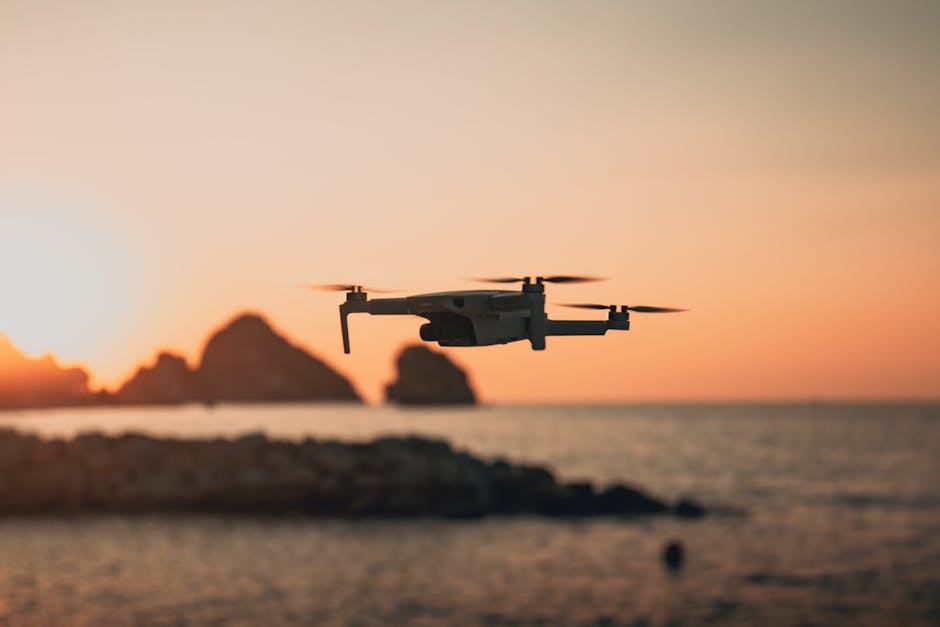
<point x="486" y="317"/>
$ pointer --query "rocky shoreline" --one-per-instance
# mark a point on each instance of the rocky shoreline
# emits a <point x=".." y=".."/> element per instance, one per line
<point x="388" y="477"/>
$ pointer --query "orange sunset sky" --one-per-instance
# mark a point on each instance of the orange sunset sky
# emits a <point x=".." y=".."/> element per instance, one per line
<point x="773" y="167"/>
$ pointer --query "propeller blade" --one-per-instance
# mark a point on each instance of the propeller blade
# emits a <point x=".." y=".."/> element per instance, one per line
<point x="503" y="279"/>
<point x="647" y="309"/>
<point x="585" y="306"/>
<point x="345" y="287"/>
<point x="330" y="287"/>
<point x="571" y="279"/>
<point x="560" y="278"/>
<point x="638" y="308"/>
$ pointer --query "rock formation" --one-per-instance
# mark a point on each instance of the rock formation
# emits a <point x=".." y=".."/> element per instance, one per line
<point x="247" y="361"/>
<point x="168" y="381"/>
<point x="388" y="477"/>
<point x="26" y="382"/>
<point x="426" y="377"/>
<point x="244" y="361"/>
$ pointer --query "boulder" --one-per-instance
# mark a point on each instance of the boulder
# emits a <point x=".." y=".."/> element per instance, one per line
<point x="248" y="361"/>
<point x="427" y="377"/>
<point x="170" y="380"/>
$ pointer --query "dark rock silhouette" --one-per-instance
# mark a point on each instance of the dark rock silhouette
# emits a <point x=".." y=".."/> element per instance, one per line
<point x="673" y="555"/>
<point x="248" y="361"/>
<point x="42" y="382"/>
<point x="244" y="361"/>
<point x="426" y="377"/>
<point x="689" y="509"/>
<point x="387" y="477"/>
<point x="168" y="381"/>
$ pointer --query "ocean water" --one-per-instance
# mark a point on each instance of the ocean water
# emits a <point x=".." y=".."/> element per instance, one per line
<point x="822" y="515"/>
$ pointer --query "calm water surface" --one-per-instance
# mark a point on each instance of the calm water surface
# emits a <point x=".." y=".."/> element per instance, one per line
<point x="826" y="515"/>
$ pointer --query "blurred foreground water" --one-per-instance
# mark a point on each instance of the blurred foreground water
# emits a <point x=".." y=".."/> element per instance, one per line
<point x="824" y="515"/>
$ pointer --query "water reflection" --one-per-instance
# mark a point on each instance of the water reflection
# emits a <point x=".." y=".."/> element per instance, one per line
<point x="841" y="527"/>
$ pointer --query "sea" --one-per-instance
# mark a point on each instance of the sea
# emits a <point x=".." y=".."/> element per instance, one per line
<point x="819" y="514"/>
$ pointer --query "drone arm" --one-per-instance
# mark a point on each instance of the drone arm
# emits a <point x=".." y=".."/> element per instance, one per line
<point x="376" y="306"/>
<point x="386" y="307"/>
<point x="575" y="327"/>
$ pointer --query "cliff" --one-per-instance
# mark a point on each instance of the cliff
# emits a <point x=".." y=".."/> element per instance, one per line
<point x="426" y="377"/>
<point x="244" y="361"/>
<point x="247" y="361"/>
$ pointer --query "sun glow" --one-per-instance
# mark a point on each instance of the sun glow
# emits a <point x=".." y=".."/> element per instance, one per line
<point x="64" y="282"/>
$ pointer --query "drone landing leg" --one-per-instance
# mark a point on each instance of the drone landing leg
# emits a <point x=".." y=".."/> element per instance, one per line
<point x="344" y="324"/>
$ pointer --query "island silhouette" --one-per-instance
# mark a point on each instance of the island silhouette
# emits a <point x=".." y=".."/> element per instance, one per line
<point x="244" y="361"/>
<point x="41" y="382"/>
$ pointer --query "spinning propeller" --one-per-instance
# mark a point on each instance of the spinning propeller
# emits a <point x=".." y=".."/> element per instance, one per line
<point x="345" y="287"/>
<point x="548" y="279"/>
<point x="624" y="308"/>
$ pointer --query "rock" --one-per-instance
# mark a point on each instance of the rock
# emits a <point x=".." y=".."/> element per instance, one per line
<point x="138" y="453"/>
<point x="413" y="476"/>
<point x="168" y="381"/>
<point x="388" y="477"/>
<point x="575" y="499"/>
<point x="248" y="361"/>
<point x="14" y="449"/>
<point x="518" y="489"/>
<point x="620" y="499"/>
<point x="687" y="508"/>
<point x="26" y="382"/>
<point x="426" y="377"/>
<point x="673" y="554"/>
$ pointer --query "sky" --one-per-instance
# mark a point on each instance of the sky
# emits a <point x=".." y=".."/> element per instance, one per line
<point x="774" y="167"/>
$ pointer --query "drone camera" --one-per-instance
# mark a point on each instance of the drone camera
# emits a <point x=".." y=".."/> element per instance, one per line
<point x="450" y="329"/>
